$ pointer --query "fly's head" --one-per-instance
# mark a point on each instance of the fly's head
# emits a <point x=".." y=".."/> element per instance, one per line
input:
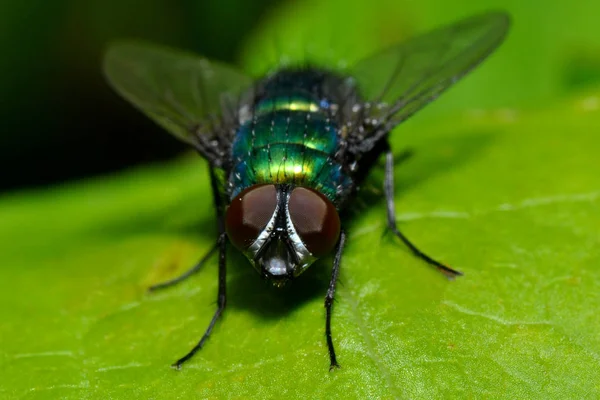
<point x="282" y="229"/>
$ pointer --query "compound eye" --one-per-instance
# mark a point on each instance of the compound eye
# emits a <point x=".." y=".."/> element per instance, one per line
<point x="315" y="219"/>
<point x="249" y="213"/>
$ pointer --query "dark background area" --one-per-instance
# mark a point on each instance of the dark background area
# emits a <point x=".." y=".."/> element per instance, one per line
<point x="59" y="119"/>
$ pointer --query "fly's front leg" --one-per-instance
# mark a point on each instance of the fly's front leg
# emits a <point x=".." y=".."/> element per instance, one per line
<point x="329" y="300"/>
<point x="388" y="186"/>
<point x="222" y="293"/>
<point x="219" y="211"/>
<point x="221" y="302"/>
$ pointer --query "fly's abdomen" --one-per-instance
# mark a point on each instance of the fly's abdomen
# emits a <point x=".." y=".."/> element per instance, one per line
<point x="289" y="140"/>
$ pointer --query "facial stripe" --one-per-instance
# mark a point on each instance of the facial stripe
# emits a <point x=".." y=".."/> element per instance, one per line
<point x="304" y="256"/>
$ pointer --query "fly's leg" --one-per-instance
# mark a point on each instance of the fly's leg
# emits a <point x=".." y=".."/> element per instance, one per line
<point x="219" y="211"/>
<point x="187" y="273"/>
<point x="222" y="293"/>
<point x="329" y="300"/>
<point x="221" y="302"/>
<point x="388" y="186"/>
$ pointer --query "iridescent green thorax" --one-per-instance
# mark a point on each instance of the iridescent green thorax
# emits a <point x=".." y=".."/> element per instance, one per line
<point x="290" y="139"/>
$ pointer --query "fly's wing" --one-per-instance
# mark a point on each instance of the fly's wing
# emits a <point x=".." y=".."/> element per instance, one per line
<point x="400" y="80"/>
<point x="182" y="92"/>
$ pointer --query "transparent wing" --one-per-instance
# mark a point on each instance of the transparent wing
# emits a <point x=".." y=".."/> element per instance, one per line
<point x="180" y="91"/>
<point x="400" y="80"/>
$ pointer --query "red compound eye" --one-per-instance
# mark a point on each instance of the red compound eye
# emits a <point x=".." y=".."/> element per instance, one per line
<point x="249" y="213"/>
<point x="315" y="219"/>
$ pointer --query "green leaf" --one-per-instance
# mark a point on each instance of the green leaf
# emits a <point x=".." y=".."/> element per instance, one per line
<point x="509" y="197"/>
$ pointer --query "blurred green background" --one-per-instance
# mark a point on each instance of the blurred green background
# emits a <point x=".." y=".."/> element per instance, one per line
<point x="60" y="121"/>
<point x="503" y="185"/>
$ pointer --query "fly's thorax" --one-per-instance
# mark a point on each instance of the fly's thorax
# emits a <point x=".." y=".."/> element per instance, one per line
<point x="290" y="138"/>
<point x="282" y="229"/>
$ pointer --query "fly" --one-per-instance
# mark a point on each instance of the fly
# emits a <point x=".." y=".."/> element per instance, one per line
<point x="288" y="152"/>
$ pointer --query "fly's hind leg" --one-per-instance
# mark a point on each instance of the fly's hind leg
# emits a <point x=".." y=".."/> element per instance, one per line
<point x="388" y="186"/>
